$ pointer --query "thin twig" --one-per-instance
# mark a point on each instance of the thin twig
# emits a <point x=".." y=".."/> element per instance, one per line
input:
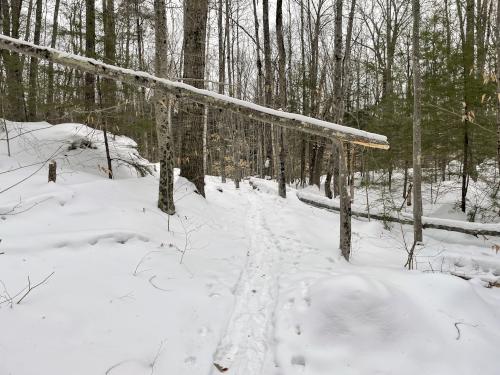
<point x="30" y="288"/>
<point x="458" y="329"/>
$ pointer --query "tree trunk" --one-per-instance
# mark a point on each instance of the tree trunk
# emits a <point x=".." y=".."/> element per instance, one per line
<point x="497" y="31"/>
<point x="329" y="174"/>
<point x="405" y="180"/>
<point x="163" y="113"/>
<point x="186" y="92"/>
<point x="33" y="73"/>
<point x="468" y="59"/>
<point x="109" y="86"/>
<point x="52" y="171"/>
<point x="11" y="16"/>
<point x="89" y="52"/>
<point x="417" y="153"/>
<point x="268" y="86"/>
<point x="260" y="79"/>
<point x="222" y="72"/>
<point x="345" y="205"/>
<point x="191" y="114"/>
<point x="50" y="78"/>
<point x="303" y="144"/>
<point x="282" y="95"/>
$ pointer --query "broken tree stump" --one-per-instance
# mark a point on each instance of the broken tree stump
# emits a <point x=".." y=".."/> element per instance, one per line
<point x="52" y="171"/>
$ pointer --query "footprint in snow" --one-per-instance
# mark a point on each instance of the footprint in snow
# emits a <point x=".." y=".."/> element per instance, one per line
<point x="298" y="360"/>
<point x="191" y="360"/>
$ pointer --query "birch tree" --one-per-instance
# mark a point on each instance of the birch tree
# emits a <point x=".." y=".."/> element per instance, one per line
<point x="163" y="113"/>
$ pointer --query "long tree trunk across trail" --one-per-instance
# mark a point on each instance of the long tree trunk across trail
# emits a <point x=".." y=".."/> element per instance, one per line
<point x="189" y="93"/>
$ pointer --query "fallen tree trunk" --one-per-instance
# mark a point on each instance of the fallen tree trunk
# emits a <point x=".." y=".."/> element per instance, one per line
<point x="489" y="283"/>
<point x="183" y="91"/>
<point x="473" y="229"/>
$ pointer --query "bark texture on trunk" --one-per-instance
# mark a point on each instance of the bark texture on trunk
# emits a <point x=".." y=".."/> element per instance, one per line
<point x="50" y="74"/>
<point x="163" y="114"/>
<point x="282" y="96"/>
<point x="497" y="33"/>
<point x="345" y="204"/>
<point x="11" y="16"/>
<point x="33" y="73"/>
<point x="417" y="116"/>
<point x="191" y="114"/>
<point x="89" y="52"/>
<point x="468" y="60"/>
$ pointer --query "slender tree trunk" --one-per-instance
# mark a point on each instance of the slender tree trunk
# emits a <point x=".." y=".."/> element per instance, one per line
<point x="268" y="85"/>
<point x="497" y="31"/>
<point x="163" y="113"/>
<point x="405" y="180"/>
<point x="222" y="72"/>
<point x="282" y="95"/>
<point x="11" y="15"/>
<point x="345" y="205"/>
<point x="50" y="78"/>
<point x="109" y="86"/>
<point x="89" y="52"/>
<point x="33" y="90"/>
<point x="303" y="150"/>
<point x="417" y="153"/>
<point x="329" y="175"/>
<point x="260" y="79"/>
<point x="468" y="56"/>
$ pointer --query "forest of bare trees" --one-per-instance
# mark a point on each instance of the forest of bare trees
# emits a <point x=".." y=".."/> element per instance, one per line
<point x="249" y="187"/>
<point x="382" y="66"/>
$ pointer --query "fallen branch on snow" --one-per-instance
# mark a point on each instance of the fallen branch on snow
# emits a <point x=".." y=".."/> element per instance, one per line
<point x="473" y="229"/>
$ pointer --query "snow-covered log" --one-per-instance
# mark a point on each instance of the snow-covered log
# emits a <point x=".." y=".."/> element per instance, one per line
<point x="474" y="229"/>
<point x="183" y="91"/>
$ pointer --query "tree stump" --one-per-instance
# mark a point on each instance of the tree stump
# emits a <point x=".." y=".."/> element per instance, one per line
<point x="52" y="171"/>
<point x="408" y="197"/>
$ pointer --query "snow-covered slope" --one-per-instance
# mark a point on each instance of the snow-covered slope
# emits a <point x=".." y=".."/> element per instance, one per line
<point x="243" y="278"/>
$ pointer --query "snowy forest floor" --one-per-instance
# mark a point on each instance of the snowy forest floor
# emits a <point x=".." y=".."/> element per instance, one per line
<point x="244" y="278"/>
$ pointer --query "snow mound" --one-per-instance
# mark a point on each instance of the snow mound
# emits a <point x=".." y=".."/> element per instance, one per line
<point x="76" y="148"/>
<point x="265" y="186"/>
<point x="391" y="321"/>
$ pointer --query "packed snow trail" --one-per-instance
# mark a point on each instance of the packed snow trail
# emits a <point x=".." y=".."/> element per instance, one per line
<point x="245" y="345"/>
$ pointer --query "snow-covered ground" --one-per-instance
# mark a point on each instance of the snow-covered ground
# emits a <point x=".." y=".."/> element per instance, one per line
<point x="244" y="278"/>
